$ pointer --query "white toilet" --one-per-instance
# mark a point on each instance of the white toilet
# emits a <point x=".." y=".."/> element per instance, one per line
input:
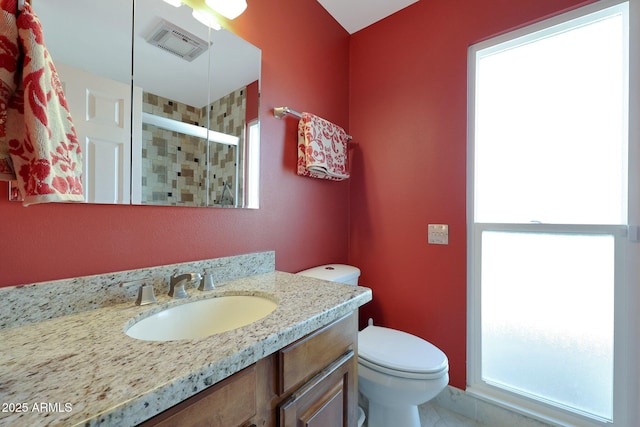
<point x="397" y="371"/>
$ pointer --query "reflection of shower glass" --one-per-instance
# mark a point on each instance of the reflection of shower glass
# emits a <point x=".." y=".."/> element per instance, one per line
<point x="174" y="167"/>
<point x="183" y="163"/>
<point x="222" y="173"/>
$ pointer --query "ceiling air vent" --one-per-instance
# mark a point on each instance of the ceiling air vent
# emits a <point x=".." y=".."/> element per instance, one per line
<point x="177" y="41"/>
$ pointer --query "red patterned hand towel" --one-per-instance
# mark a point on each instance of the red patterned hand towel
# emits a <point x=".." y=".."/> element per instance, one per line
<point x="9" y="53"/>
<point x="322" y="149"/>
<point x="38" y="143"/>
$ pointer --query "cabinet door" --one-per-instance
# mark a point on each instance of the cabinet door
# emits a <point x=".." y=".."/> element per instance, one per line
<point x="327" y="400"/>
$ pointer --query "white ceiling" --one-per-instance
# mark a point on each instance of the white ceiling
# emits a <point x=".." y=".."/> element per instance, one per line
<point x="354" y="15"/>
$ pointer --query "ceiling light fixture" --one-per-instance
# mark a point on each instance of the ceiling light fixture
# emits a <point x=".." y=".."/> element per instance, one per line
<point x="176" y="3"/>
<point x="230" y="9"/>
<point x="207" y="19"/>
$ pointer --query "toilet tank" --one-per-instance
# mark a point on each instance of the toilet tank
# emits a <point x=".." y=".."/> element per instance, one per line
<point x="340" y="273"/>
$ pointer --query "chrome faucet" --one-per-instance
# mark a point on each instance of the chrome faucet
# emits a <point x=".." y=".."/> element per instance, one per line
<point x="177" y="282"/>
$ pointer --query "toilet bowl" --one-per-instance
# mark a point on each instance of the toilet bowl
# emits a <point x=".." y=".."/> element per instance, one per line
<point x="397" y="371"/>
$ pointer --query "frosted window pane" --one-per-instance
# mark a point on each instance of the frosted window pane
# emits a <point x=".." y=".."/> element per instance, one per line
<point x="547" y="317"/>
<point x="550" y="131"/>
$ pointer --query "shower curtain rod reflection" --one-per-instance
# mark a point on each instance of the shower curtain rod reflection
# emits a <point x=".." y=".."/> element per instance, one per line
<point x="280" y="112"/>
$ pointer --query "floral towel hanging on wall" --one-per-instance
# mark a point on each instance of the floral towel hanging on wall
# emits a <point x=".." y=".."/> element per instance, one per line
<point x="38" y="143"/>
<point x="322" y="149"/>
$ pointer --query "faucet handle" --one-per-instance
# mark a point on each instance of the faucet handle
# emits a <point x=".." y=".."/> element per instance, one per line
<point x="206" y="284"/>
<point x="146" y="295"/>
<point x="177" y="290"/>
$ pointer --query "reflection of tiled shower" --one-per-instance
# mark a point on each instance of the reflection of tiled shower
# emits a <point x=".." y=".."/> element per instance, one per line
<point x="228" y="115"/>
<point x="175" y="165"/>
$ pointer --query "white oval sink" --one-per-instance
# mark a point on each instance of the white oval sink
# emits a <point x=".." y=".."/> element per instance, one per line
<point x="202" y="318"/>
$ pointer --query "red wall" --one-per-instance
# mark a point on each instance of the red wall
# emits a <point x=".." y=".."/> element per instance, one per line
<point x="408" y="113"/>
<point x="253" y="101"/>
<point x="305" y="66"/>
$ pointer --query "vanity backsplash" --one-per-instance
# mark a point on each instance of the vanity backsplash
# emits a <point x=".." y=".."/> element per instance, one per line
<point x="23" y="304"/>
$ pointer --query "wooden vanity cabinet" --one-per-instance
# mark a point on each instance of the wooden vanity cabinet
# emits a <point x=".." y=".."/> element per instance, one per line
<point x="311" y="382"/>
<point x="231" y="402"/>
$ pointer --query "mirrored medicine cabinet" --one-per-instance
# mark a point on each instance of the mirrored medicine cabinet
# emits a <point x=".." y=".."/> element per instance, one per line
<point x="166" y="108"/>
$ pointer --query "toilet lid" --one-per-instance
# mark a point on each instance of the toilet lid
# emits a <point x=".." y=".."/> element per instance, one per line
<point x="400" y="351"/>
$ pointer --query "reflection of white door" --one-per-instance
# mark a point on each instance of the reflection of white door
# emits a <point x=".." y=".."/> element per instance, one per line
<point x="101" y="112"/>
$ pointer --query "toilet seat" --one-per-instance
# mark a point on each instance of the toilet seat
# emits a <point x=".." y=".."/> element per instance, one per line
<point x="364" y="363"/>
<point x="400" y="354"/>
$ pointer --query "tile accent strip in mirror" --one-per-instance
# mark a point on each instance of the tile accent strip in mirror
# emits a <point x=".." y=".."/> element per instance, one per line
<point x="175" y="165"/>
<point x="36" y="302"/>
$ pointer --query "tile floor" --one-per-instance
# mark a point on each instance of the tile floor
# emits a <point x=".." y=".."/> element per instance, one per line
<point x="433" y="415"/>
<point x="455" y="408"/>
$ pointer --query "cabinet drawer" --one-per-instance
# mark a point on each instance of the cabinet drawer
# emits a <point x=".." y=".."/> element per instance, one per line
<point x="328" y="399"/>
<point x="231" y="402"/>
<point x="306" y="357"/>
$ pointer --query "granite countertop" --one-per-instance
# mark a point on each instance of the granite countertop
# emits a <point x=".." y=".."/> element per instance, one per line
<point x="82" y="369"/>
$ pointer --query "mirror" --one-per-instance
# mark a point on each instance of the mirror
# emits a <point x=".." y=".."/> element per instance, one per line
<point x="170" y="121"/>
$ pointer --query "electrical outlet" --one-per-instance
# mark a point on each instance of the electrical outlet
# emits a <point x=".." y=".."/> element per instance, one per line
<point x="438" y="234"/>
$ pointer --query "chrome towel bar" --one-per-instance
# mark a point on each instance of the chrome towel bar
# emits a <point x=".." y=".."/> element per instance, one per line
<point x="280" y="112"/>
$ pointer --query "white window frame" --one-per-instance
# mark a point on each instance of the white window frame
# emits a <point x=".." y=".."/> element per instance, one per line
<point x="626" y="411"/>
<point x="252" y="166"/>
